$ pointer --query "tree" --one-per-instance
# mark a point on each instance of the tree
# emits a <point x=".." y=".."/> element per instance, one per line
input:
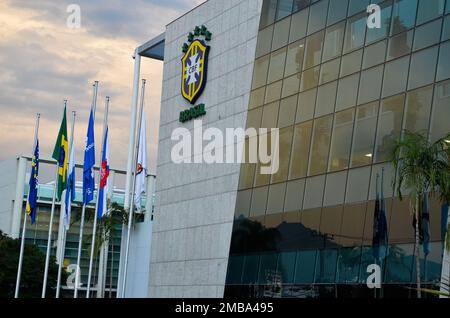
<point x="423" y="167"/>
<point x="32" y="269"/>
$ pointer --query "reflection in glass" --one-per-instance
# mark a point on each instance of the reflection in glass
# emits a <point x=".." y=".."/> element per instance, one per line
<point x="313" y="51"/>
<point x="300" y="4"/>
<point x="355" y="32"/>
<point x="276" y="68"/>
<point x="446" y="29"/>
<point x="259" y="198"/>
<point x="257" y="97"/>
<point x="427" y="35"/>
<point x="275" y="199"/>
<point x="351" y="63"/>
<point x="389" y="126"/>
<point x="423" y="67"/>
<point x="352" y="229"/>
<point x="288" y="107"/>
<point x="341" y="141"/>
<point x="364" y="135"/>
<point x="284" y="9"/>
<point x="418" y="105"/>
<point x="404" y="15"/>
<point x="267" y="268"/>
<point x="294" y="200"/>
<point x="395" y="76"/>
<point x="348" y="264"/>
<point x="330" y="225"/>
<point x="310" y="78"/>
<point x="280" y="34"/>
<point x="260" y="71"/>
<point x="399" y="264"/>
<point x="333" y="41"/>
<point x="306" y="105"/>
<point x="300" y="150"/>
<point x="356" y="6"/>
<point x="374" y="54"/>
<point x="273" y="92"/>
<point x="443" y="71"/>
<point x="375" y="34"/>
<point x="298" y="25"/>
<point x="290" y="85"/>
<point x="250" y="272"/>
<point x="320" y="145"/>
<point x="428" y="10"/>
<point x="326" y="97"/>
<point x="317" y="16"/>
<point x="264" y="43"/>
<point x="370" y="84"/>
<point x="337" y="11"/>
<point x="326" y="266"/>
<point x="304" y="269"/>
<point x="268" y="11"/>
<point x="400" y="45"/>
<point x="294" y="58"/>
<point x="286" y="266"/>
<point x="441" y="111"/>
<point x="285" y="154"/>
<point x="270" y="115"/>
<point x="235" y="265"/>
<point x="329" y="71"/>
<point x="347" y="92"/>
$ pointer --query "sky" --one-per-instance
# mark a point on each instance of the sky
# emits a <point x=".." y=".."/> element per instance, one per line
<point x="43" y="62"/>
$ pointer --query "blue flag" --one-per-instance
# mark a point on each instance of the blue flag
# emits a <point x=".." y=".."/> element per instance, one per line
<point x="31" y="206"/>
<point x="70" y="190"/>
<point x="89" y="162"/>
<point x="380" y="232"/>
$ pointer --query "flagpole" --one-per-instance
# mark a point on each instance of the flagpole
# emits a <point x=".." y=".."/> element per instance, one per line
<point x="63" y="242"/>
<point x="50" y="227"/>
<point x="83" y="209"/>
<point x="130" y="216"/>
<point x="94" y="231"/>
<point x="22" y="241"/>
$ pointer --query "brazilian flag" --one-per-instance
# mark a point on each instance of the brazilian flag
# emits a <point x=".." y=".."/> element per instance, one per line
<point x="61" y="154"/>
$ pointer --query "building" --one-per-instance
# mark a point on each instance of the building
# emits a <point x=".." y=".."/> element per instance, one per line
<point x="340" y="94"/>
<point x="14" y="191"/>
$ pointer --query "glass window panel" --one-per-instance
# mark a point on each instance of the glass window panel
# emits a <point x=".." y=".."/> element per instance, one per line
<point x="355" y="32"/>
<point x="446" y="29"/>
<point x="352" y="228"/>
<point x="374" y="54"/>
<point x="370" y="84"/>
<point x="276" y="198"/>
<point x="313" y="195"/>
<point x="335" y="189"/>
<point x="262" y="179"/>
<point x="268" y="13"/>
<point x="423" y="67"/>
<point x="306" y="105"/>
<point x="341" y="141"/>
<point x="276" y="68"/>
<point x="389" y="175"/>
<point x="300" y="151"/>
<point x="434" y="265"/>
<point x="443" y="71"/>
<point x="320" y="145"/>
<point x="447" y="9"/>
<point x="364" y="135"/>
<point x="395" y="76"/>
<point x="357" y="185"/>
<point x="347" y="92"/>
<point x="280" y="34"/>
<point x="313" y="52"/>
<point x="366" y="260"/>
<point x="294" y="58"/>
<point x="427" y="35"/>
<point x="389" y="126"/>
<point x="286" y="266"/>
<point x="326" y="266"/>
<point x="250" y="273"/>
<point x="399" y="230"/>
<point x="400" y="45"/>
<point x="260" y="71"/>
<point x="247" y="175"/>
<point x="428" y="10"/>
<point x="330" y="225"/>
<point x="285" y="154"/>
<point x="300" y="4"/>
<point x="270" y="115"/>
<point x="310" y="78"/>
<point x="235" y="266"/>
<point x="375" y="34"/>
<point x="257" y="97"/>
<point x="259" y="199"/>
<point x="288" y="107"/>
<point x="399" y="264"/>
<point x="309" y="229"/>
<point x="273" y="92"/>
<point x="254" y="118"/>
<point x="351" y="63"/>
<point x="333" y="41"/>
<point x="284" y="9"/>
<point x="317" y="16"/>
<point x="294" y="195"/>
<point x="348" y="265"/>
<point x="326" y="98"/>
<point x="337" y="11"/>
<point x="290" y="85"/>
<point x="440" y="125"/>
<point x="418" y="106"/>
<point x="404" y="15"/>
<point x="264" y="41"/>
<point x="304" y="269"/>
<point x="298" y="25"/>
<point x="356" y="6"/>
<point x="329" y="71"/>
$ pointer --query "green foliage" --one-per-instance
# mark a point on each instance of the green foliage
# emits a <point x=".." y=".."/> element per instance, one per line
<point x="32" y="270"/>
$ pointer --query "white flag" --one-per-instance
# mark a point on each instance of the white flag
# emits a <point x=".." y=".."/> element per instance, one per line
<point x="141" y="168"/>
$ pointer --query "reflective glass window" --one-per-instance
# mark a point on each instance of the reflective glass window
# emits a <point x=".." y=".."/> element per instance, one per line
<point x="329" y="71"/>
<point x="357" y="185"/>
<point x="304" y="269"/>
<point x="298" y="25"/>
<point x="254" y="118"/>
<point x="364" y="135"/>
<point x="320" y="145"/>
<point x="335" y="189"/>
<point x="309" y="229"/>
<point x="374" y="54"/>
<point x="290" y="85"/>
<point x="400" y="45"/>
<point x="306" y="105"/>
<point x="375" y="34"/>
<point x="294" y="58"/>
<point x="389" y="126"/>
<point x="427" y="35"/>
<point x="443" y="71"/>
<point x="326" y="96"/>
<point x="294" y="195"/>
<point x="247" y="175"/>
<point x="235" y="266"/>
<point x="280" y="34"/>
<point x="317" y="16"/>
<point x="404" y="15"/>
<point x="441" y="111"/>
<point x="264" y="41"/>
<point x="260" y="71"/>
<point x="273" y="92"/>
<point x="259" y="199"/>
<point x="243" y="203"/>
<point x="333" y="41"/>
<point x="395" y="76"/>
<point x="352" y="227"/>
<point x="270" y="115"/>
<point x="285" y="154"/>
<point x="330" y="225"/>
<point x="446" y="29"/>
<point x="370" y="84"/>
<point x="275" y="200"/>
<point x="348" y="264"/>
<point x="418" y="106"/>
<point x="250" y="272"/>
<point x="355" y="32"/>
<point x="399" y="264"/>
<point x="310" y="78"/>
<point x="356" y="6"/>
<point x="423" y="67"/>
<point x="399" y="232"/>
<point x="351" y="63"/>
<point x="300" y="4"/>
<point x="337" y="11"/>
<point x="257" y="97"/>
<point x="342" y="140"/>
<point x="300" y="150"/>
<point x="326" y="266"/>
<point x="276" y="68"/>
<point x="268" y="11"/>
<point x="313" y="194"/>
<point x="284" y="9"/>
<point x="428" y="10"/>
<point x="286" y="266"/>
<point x="347" y="92"/>
<point x="288" y="107"/>
<point x="313" y="52"/>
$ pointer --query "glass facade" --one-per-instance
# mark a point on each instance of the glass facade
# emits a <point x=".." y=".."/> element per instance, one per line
<point x="341" y="94"/>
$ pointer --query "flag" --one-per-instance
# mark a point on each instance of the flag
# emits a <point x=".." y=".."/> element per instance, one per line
<point x="89" y="162"/>
<point x="141" y="168"/>
<point x="60" y="154"/>
<point x="380" y="234"/>
<point x="104" y="174"/>
<point x="425" y="225"/>
<point x="31" y="206"/>
<point x="70" y="190"/>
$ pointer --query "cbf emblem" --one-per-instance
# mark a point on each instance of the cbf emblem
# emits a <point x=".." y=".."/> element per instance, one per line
<point x="195" y="64"/>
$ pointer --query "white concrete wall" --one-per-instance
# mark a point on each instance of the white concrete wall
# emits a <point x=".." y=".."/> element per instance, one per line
<point x="195" y="202"/>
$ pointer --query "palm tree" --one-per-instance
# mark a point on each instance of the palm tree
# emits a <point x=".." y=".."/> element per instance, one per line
<point x="423" y="167"/>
